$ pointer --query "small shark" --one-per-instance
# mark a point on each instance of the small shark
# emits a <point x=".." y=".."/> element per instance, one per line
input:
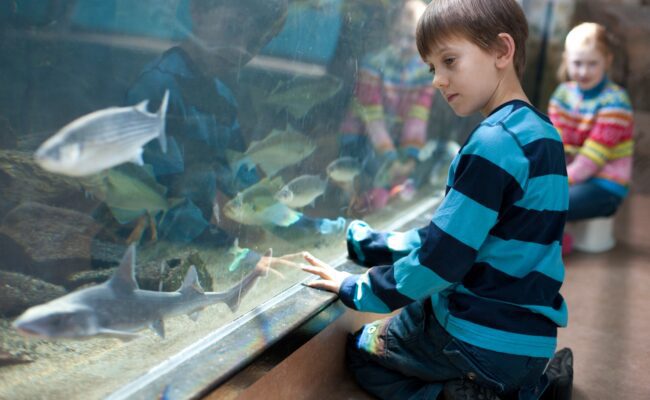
<point x="103" y="139"/>
<point x="118" y="308"/>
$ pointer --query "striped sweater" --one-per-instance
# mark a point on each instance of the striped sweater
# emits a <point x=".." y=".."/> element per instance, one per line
<point x="391" y="103"/>
<point x="490" y="259"/>
<point x="596" y="127"/>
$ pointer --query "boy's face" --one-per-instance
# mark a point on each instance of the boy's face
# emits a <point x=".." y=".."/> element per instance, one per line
<point x="465" y="74"/>
<point x="586" y="65"/>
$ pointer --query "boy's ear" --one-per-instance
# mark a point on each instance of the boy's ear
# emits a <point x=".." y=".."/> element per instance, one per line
<point x="506" y="50"/>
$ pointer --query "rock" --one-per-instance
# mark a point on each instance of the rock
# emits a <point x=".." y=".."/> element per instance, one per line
<point x="7" y="135"/>
<point x="18" y="292"/>
<point x="21" y="179"/>
<point x="173" y="277"/>
<point x="46" y="242"/>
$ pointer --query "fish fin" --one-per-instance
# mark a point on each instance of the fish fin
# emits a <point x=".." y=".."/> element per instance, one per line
<point x="122" y="335"/>
<point x="158" y="326"/>
<point x="138" y="158"/>
<point x="194" y="315"/>
<point x="162" y="113"/>
<point x="142" y="106"/>
<point x="124" y="278"/>
<point x="191" y="282"/>
<point x="234" y="248"/>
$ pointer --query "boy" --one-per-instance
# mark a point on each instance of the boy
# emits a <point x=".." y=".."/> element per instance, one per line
<point x="480" y="285"/>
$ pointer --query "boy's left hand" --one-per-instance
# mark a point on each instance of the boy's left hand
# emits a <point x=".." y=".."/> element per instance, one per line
<point x="331" y="278"/>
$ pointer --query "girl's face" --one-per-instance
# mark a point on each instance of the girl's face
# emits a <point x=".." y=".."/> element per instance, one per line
<point x="466" y="76"/>
<point x="586" y="65"/>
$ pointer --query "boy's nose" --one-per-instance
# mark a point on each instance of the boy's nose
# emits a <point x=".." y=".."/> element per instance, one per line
<point x="438" y="81"/>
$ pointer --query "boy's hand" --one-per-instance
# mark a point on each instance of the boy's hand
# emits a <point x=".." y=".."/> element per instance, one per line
<point x="331" y="279"/>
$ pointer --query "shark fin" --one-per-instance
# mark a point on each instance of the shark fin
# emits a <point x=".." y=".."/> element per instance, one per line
<point x="142" y="106"/>
<point x="158" y="326"/>
<point x="122" y="335"/>
<point x="124" y="278"/>
<point x="194" y="315"/>
<point x="137" y="159"/>
<point x="191" y="282"/>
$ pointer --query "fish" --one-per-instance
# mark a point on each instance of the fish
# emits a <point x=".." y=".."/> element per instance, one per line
<point x="280" y="149"/>
<point x="301" y="191"/>
<point x="118" y="309"/>
<point x="344" y="169"/>
<point x="299" y="95"/>
<point x="103" y="139"/>
<point x="128" y="191"/>
<point x="257" y="206"/>
<point x="242" y="256"/>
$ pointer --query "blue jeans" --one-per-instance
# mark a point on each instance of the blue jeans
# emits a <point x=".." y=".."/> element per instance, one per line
<point x="411" y="356"/>
<point x="589" y="200"/>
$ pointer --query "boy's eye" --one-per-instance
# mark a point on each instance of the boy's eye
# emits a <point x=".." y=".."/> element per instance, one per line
<point x="432" y="70"/>
<point x="449" y="61"/>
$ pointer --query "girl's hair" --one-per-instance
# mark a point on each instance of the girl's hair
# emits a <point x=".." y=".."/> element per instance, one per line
<point x="585" y="34"/>
<point x="479" y="21"/>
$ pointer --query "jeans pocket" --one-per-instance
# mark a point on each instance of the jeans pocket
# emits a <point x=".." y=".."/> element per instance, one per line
<point x="469" y="367"/>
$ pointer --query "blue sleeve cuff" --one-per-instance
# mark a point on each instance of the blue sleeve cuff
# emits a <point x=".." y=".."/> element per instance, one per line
<point x="347" y="290"/>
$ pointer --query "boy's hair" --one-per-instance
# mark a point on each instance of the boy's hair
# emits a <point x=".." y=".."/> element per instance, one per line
<point x="479" y="21"/>
<point x="585" y="34"/>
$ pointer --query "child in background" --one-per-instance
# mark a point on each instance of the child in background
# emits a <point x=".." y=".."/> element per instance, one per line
<point x="387" y="121"/>
<point x="480" y="284"/>
<point x="594" y="118"/>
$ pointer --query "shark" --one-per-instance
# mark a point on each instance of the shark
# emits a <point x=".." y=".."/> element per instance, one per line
<point x="118" y="308"/>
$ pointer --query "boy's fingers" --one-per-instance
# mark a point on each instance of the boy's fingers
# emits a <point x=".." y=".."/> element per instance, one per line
<point x="322" y="284"/>
<point x="314" y="261"/>
<point x="315" y="270"/>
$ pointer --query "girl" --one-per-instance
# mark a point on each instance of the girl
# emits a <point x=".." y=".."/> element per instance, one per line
<point x="594" y="118"/>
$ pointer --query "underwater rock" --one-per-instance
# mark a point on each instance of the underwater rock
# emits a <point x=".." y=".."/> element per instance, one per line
<point x="7" y="135"/>
<point x="18" y="292"/>
<point x="46" y="242"/>
<point x="173" y="277"/>
<point x="21" y="180"/>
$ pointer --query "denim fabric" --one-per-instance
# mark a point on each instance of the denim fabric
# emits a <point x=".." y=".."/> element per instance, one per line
<point x="589" y="200"/>
<point x="411" y="356"/>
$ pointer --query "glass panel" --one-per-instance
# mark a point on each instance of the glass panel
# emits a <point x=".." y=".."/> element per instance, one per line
<point x="162" y="159"/>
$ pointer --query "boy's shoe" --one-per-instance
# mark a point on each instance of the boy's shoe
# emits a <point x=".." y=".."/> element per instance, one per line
<point x="560" y="376"/>
<point x="461" y="389"/>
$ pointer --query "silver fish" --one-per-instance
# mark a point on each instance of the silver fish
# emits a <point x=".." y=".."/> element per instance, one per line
<point x="118" y="308"/>
<point x="344" y="169"/>
<point x="103" y="139"/>
<point x="279" y="150"/>
<point x="301" y="191"/>
<point x="257" y="206"/>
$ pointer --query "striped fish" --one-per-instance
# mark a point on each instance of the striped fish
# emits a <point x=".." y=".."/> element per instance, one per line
<point x="103" y="139"/>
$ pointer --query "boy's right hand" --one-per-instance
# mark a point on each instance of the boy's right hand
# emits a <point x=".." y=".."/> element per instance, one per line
<point x="331" y="278"/>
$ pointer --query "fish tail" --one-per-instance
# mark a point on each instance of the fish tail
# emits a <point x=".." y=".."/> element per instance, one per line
<point x="162" y="113"/>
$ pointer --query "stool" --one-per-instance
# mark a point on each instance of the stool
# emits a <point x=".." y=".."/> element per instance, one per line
<point x="593" y="235"/>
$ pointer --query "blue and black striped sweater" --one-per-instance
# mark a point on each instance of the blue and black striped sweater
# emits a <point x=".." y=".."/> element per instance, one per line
<point x="491" y="257"/>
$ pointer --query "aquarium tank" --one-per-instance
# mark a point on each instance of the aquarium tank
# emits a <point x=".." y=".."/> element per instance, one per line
<point x="164" y="163"/>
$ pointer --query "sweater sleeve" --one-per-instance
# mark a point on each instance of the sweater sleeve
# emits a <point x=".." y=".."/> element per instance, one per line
<point x="414" y="132"/>
<point x="482" y="185"/>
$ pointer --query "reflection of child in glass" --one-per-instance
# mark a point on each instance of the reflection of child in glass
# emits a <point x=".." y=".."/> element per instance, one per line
<point x="480" y="284"/>
<point x="594" y="117"/>
<point x="387" y="119"/>
<point x="202" y="117"/>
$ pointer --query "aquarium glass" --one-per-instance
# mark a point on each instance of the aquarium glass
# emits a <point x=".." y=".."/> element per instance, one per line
<point x="164" y="162"/>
